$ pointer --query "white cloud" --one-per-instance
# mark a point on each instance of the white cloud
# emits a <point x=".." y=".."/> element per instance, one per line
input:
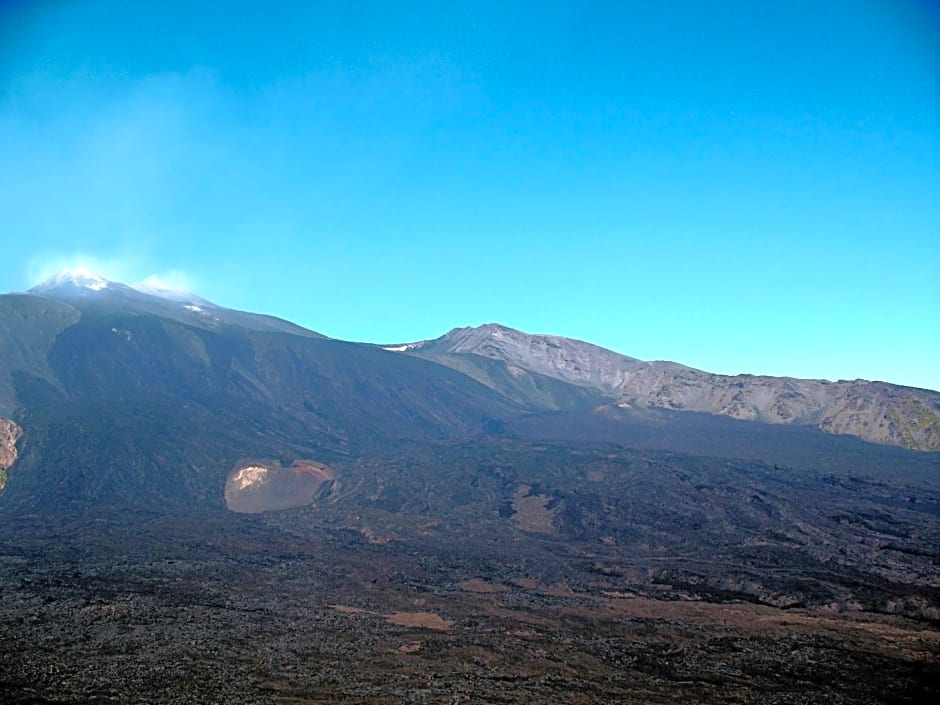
<point x="42" y="267"/>
<point x="116" y="269"/>
<point x="172" y="280"/>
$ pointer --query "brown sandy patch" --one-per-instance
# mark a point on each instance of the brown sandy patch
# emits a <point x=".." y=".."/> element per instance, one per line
<point x="346" y="609"/>
<point x="423" y="620"/>
<point x="866" y="631"/>
<point x="531" y="512"/>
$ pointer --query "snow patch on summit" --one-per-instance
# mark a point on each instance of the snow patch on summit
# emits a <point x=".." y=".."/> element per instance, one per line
<point x="78" y="276"/>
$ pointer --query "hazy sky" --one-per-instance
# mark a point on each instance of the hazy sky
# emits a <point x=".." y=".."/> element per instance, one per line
<point x="739" y="186"/>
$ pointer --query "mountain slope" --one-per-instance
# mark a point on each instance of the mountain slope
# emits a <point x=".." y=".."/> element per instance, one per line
<point x="94" y="295"/>
<point x="125" y="397"/>
<point x="875" y="411"/>
<point x="143" y="408"/>
<point x="129" y="398"/>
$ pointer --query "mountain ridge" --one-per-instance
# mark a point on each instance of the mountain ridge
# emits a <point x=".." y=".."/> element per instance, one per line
<point x="84" y="289"/>
<point x="524" y="371"/>
<point x="875" y="411"/>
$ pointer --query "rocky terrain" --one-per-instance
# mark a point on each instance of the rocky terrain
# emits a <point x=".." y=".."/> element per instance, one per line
<point x="196" y="623"/>
<point x="9" y="434"/>
<point x="874" y="411"/>
<point x="490" y="571"/>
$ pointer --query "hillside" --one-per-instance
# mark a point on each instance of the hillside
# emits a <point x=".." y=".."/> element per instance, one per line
<point x="874" y="411"/>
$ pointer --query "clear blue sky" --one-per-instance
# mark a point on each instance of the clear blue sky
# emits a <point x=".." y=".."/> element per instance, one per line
<point x="739" y="186"/>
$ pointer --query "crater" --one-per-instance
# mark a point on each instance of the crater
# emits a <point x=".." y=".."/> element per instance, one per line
<point x="255" y="486"/>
